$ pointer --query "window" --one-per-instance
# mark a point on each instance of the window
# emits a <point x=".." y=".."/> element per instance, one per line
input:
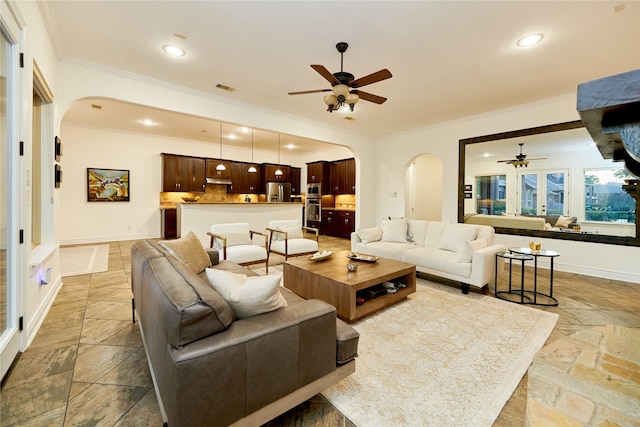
<point x="491" y="194"/>
<point x="605" y="200"/>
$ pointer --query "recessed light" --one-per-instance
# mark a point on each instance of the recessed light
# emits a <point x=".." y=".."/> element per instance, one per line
<point x="290" y="146"/>
<point x="245" y="130"/>
<point x="147" y="122"/>
<point x="173" y="50"/>
<point x="530" y="40"/>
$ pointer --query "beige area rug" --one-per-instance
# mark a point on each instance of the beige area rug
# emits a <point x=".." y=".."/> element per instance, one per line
<point x="440" y="358"/>
<point x="77" y="260"/>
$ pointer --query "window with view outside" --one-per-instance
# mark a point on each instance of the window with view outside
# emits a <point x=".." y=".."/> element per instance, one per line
<point x="605" y="200"/>
<point x="491" y="194"/>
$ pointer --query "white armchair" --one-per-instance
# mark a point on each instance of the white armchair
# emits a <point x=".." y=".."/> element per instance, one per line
<point x="235" y="243"/>
<point x="286" y="237"/>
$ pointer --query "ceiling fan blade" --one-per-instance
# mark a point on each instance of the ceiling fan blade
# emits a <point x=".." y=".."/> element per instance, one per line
<point x="326" y="74"/>
<point x="371" y="97"/>
<point x="506" y="161"/>
<point x="371" y="78"/>
<point x="309" y="91"/>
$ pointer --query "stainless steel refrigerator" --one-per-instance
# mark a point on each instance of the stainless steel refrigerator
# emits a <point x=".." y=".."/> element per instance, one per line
<point x="278" y="192"/>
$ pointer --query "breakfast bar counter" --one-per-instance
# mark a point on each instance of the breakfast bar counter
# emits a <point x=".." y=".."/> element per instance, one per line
<point x="198" y="217"/>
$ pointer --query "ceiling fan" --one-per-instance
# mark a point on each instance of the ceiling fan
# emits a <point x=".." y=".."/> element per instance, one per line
<point x="345" y="87"/>
<point x="520" y="160"/>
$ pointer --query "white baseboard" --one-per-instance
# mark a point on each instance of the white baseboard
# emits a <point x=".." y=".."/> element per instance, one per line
<point x="109" y="239"/>
<point x="32" y="328"/>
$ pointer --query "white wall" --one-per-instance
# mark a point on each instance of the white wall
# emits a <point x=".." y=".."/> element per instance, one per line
<point x="397" y="152"/>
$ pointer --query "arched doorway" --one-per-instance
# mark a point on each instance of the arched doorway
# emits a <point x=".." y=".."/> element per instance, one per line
<point x="423" y="183"/>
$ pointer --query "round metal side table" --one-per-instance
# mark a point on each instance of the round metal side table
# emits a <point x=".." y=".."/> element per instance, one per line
<point x="547" y="299"/>
<point x="505" y="295"/>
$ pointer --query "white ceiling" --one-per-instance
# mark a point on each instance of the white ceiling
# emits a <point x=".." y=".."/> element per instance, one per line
<point x="449" y="59"/>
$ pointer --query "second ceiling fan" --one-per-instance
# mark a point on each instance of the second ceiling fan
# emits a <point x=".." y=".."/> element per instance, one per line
<point x="521" y="159"/>
<point x="345" y="87"/>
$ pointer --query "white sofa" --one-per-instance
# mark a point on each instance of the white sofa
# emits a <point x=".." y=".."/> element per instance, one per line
<point x="460" y="252"/>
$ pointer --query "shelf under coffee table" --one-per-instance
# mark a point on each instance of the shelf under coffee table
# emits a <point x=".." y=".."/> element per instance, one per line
<point x="330" y="281"/>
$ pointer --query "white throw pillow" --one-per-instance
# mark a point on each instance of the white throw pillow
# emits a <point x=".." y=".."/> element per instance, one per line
<point x="189" y="251"/>
<point x="465" y="251"/>
<point x="236" y="239"/>
<point x="394" y="230"/>
<point x="367" y="235"/>
<point x="564" y="221"/>
<point x="294" y="232"/>
<point x="248" y="296"/>
<point x="455" y="235"/>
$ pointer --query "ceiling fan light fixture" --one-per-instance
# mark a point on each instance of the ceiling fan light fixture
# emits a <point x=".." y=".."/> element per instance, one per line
<point x="252" y="168"/>
<point x="221" y="166"/>
<point x="340" y="90"/>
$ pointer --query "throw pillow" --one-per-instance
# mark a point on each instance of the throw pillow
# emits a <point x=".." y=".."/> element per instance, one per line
<point x="394" y="230"/>
<point x="456" y="234"/>
<point x="236" y="239"/>
<point x="294" y="232"/>
<point x="564" y="221"/>
<point x="247" y="296"/>
<point x="189" y="251"/>
<point x="465" y="251"/>
<point x="367" y="235"/>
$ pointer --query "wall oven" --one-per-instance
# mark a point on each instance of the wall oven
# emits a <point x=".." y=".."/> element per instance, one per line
<point x="313" y="190"/>
<point x="313" y="209"/>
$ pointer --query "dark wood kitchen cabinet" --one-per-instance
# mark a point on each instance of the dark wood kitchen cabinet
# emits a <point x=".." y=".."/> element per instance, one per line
<point x="270" y="173"/>
<point x="169" y="223"/>
<point x="320" y="173"/>
<point x="295" y="181"/>
<point x="183" y="173"/>
<point x="329" y="223"/>
<point x="243" y="181"/>
<point x="338" y="223"/>
<point x="212" y="172"/>
<point x="343" y="177"/>
<point x="346" y="223"/>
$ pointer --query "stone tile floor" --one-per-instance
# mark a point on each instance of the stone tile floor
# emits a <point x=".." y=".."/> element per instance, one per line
<point x="87" y="366"/>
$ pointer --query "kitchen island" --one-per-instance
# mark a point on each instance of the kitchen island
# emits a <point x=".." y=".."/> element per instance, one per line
<point x="198" y="217"/>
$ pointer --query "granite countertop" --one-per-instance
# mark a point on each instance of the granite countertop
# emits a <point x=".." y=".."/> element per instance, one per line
<point x="240" y="203"/>
<point x="340" y="209"/>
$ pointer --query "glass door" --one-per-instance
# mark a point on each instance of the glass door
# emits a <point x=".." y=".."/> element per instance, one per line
<point x="543" y="192"/>
<point x="9" y="334"/>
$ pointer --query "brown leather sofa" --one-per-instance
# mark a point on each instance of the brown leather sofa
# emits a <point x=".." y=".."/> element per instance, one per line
<point x="211" y="369"/>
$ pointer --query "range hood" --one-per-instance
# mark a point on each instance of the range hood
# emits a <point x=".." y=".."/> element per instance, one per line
<point x="218" y="181"/>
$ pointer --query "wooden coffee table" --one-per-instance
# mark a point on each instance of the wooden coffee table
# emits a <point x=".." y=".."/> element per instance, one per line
<point x="330" y="281"/>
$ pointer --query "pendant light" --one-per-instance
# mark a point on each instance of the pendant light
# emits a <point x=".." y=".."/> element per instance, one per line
<point x="278" y="171"/>
<point x="221" y="166"/>
<point x="252" y="168"/>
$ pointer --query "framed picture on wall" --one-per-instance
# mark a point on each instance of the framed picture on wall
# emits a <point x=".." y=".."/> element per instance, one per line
<point x="468" y="187"/>
<point x="468" y="195"/>
<point x="107" y="185"/>
<point x="57" y="175"/>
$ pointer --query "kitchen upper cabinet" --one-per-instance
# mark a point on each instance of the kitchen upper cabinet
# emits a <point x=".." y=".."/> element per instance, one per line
<point x="350" y="180"/>
<point x="320" y="173"/>
<point x="338" y="177"/>
<point x="212" y="172"/>
<point x="343" y="177"/>
<point x="242" y="180"/>
<point x="183" y="173"/>
<point x="237" y="178"/>
<point x="270" y="173"/>
<point x="295" y="181"/>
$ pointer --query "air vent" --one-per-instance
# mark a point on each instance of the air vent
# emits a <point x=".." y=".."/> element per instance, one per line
<point x="224" y="87"/>
<point x="96" y="106"/>
<point x="348" y="118"/>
